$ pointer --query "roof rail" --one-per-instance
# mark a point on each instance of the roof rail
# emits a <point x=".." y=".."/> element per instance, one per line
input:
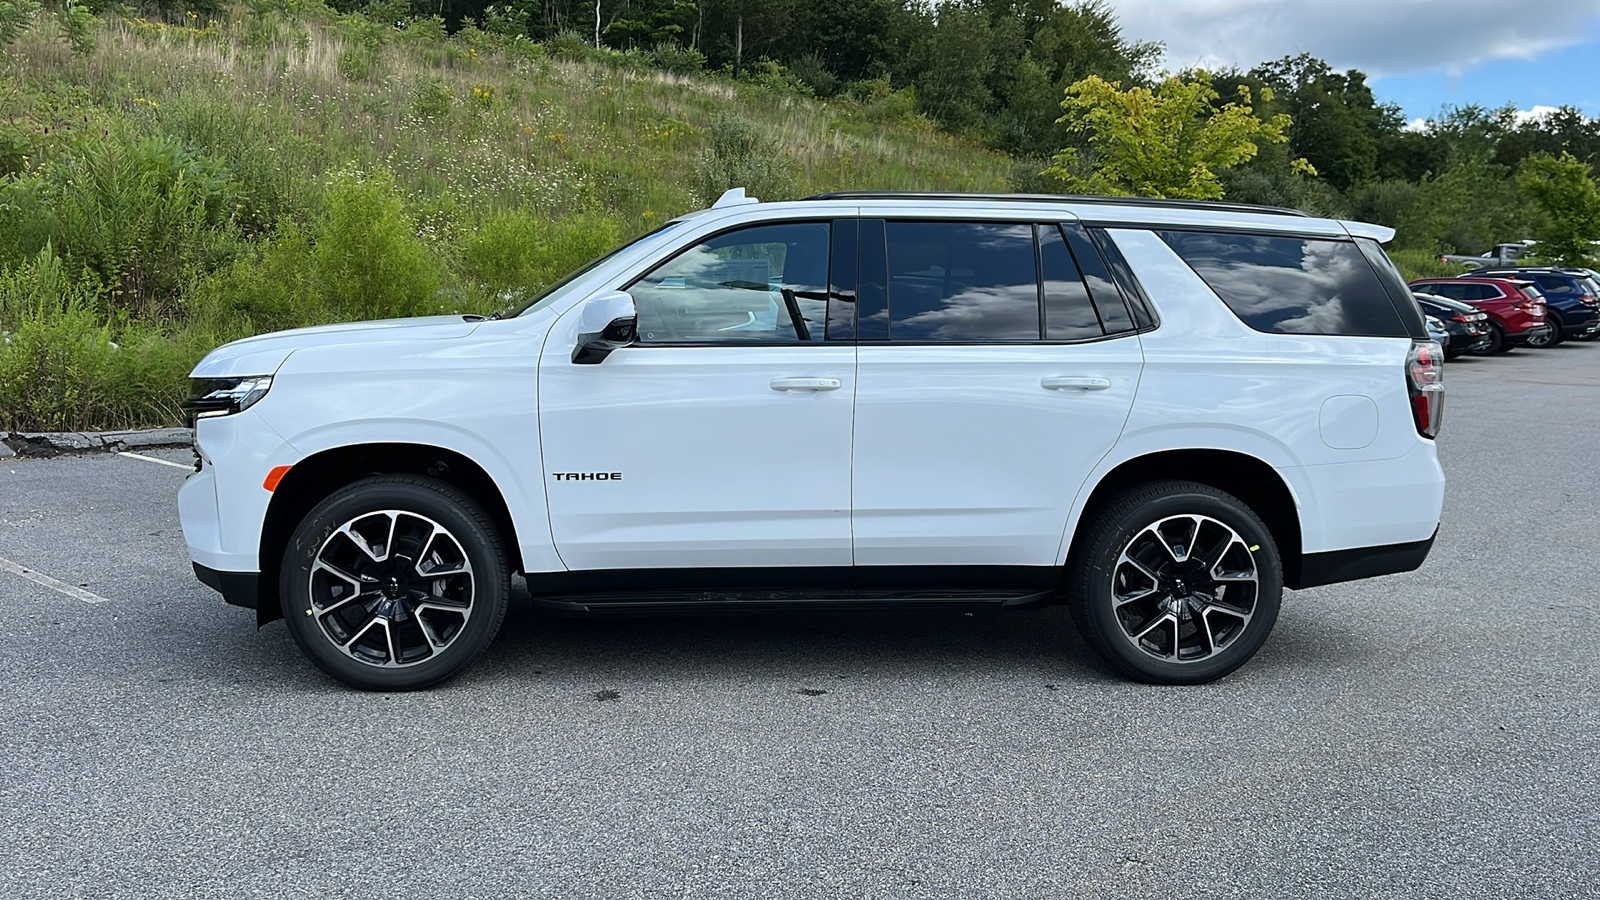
<point x="1216" y="205"/>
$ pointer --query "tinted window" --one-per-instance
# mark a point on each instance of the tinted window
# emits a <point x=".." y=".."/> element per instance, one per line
<point x="1554" y="284"/>
<point x="766" y="283"/>
<point x="1477" y="291"/>
<point x="1291" y="285"/>
<point x="1068" y="314"/>
<point x="1102" y="289"/>
<point x="962" y="281"/>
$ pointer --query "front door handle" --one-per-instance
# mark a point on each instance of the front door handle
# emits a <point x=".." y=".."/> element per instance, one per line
<point x="1075" y="383"/>
<point x="799" y="385"/>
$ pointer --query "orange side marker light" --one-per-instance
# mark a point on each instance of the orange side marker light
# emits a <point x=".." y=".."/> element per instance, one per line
<point x="275" y="476"/>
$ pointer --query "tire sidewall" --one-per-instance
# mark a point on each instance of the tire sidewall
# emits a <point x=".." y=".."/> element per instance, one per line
<point x="1497" y="341"/>
<point x="1101" y="564"/>
<point x="436" y="501"/>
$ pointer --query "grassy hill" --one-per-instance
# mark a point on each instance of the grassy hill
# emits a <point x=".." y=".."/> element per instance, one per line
<point x="165" y="187"/>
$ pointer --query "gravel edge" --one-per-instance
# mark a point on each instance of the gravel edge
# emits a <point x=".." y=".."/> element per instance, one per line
<point x="56" y="443"/>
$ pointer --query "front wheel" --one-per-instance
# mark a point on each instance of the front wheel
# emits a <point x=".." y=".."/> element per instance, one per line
<point x="1175" y="583"/>
<point x="394" y="583"/>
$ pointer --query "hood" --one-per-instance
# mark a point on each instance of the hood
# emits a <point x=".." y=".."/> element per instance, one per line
<point x="264" y="353"/>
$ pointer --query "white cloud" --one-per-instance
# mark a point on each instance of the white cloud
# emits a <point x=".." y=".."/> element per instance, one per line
<point x="1533" y="115"/>
<point x="1379" y="37"/>
<point x="1417" y="124"/>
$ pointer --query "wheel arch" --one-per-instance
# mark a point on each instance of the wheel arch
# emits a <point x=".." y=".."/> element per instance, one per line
<point x="312" y="479"/>
<point x="1246" y="477"/>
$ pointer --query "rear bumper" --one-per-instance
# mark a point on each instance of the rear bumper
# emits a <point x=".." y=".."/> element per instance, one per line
<point x="237" y="588"/>
<point x="1335" y="566"/>
<point x="1580" y="327"/>
<point x="1521" y="338"/>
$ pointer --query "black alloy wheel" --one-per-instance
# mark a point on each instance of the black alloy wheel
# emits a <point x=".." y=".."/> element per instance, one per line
<point x="394" y="583"/>
<point x="1497" y="342"/>
<point x="1175" y="583"/>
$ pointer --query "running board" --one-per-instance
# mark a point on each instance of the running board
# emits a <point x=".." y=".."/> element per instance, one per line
<point x="655" y="602"/>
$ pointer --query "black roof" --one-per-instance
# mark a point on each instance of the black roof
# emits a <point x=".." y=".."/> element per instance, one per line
<point x="1212" y="205"/>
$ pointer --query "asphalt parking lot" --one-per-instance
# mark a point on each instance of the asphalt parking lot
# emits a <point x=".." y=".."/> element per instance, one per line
<point x="1434" y="734"/>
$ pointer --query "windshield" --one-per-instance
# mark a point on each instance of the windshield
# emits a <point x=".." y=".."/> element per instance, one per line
<point x="557" y="289"/>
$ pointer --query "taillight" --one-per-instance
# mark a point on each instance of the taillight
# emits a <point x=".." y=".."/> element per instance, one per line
<point x="1462" y="319"/>
<point x="1425" y="380"/>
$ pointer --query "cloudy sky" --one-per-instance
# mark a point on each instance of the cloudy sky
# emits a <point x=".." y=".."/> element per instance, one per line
<point x="1420" y="54"/>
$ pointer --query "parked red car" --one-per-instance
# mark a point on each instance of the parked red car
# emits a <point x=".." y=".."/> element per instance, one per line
<point x="1516" y="308"/>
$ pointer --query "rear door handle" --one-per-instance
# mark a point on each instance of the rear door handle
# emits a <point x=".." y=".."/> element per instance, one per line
<point x="1075" y="383"/>
<point x="799" y="385"/>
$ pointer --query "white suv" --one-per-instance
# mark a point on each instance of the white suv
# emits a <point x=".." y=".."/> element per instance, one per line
<point x="1161" y="413"/>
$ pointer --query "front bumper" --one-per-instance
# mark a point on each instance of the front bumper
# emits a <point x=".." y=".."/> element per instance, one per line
<point x="237" y="588"/>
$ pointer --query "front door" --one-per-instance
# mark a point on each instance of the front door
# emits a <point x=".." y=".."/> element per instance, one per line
<point x="989" y="386"/>
<point x="722" y="438"/>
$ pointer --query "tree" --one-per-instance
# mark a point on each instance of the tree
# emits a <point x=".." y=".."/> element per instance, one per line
<point x="1338" y="125"/>
<point x="1169" y="142"/>
<point x="1563" y="187"/>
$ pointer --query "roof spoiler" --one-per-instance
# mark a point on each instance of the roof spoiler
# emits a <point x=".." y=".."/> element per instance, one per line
<point x="1383" y="234"/>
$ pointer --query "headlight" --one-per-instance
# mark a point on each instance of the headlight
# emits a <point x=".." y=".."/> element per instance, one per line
<point x="223" y="396"/>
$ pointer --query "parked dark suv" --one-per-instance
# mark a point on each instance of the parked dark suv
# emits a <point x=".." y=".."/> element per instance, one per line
<point x="1572" y="303"/>
<point x="1516" y="308"/>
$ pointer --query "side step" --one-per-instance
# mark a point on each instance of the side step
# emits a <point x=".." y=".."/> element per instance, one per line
<point x="657" y="602"/>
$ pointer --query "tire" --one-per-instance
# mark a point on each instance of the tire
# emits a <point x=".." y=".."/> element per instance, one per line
<point x="1551" y="338"/>
<point x="1214" y="625"/>
<point x="355" y="568"/>
<point x="1497" y="342"/>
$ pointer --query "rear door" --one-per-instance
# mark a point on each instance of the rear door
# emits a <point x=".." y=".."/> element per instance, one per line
<point x="989" y="384"/>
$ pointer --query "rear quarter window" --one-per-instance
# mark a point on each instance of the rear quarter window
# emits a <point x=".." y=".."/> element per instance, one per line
<point x="1291" y="285"/>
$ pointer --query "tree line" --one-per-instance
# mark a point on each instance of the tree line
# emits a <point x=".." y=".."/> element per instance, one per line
<point x="1001" y="72"/>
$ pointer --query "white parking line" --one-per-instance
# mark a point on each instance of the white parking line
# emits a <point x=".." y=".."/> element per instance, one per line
<point x="164" y="462"/>
<point x="76" y="593"/>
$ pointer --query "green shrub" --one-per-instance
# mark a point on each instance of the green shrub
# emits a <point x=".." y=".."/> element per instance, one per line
<point x="139" y="214"/>
<point x="270" y="290"/>
<point x="518" y="251"/>
<point x="814" y="71"/>
<point x="678" y="58"/>
<point x="1414" y="264"/>
<point x="369" y="260"/>
<point x="740" y="156"/>
<point x="77" y="29"/>
<point x="16" y="16"/>
<point x="569" y="45"/>
<point x="432" y="99"/>
<point x="773" y="78"/>
<point x="26" y="220"/>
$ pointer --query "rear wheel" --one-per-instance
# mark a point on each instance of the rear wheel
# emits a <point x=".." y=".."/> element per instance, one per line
<point x="1175" y="583"/>
<point x="394" y="583"/>
<point x="1551" y="337"/>
<point x="1497" y="342"/>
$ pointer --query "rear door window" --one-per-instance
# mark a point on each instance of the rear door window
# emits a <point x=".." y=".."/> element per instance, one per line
<point x="962" y="281"/>
<point x="1291" y="285"/>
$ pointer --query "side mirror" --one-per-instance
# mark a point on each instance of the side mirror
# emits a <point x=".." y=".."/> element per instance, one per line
<point x="605" y="323"/>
